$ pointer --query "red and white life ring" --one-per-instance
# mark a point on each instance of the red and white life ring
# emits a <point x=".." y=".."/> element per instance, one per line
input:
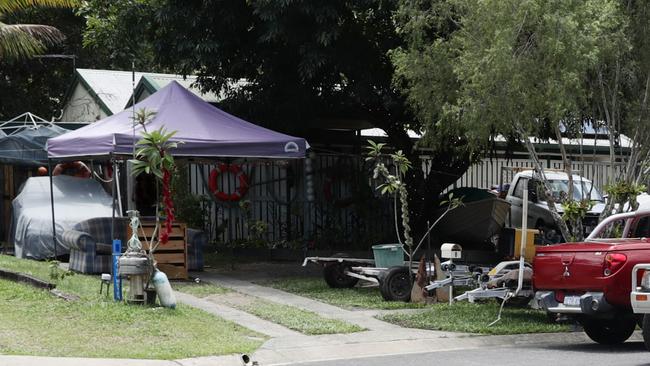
<point x="74" y="168"/>
<point x="242" y="178"/>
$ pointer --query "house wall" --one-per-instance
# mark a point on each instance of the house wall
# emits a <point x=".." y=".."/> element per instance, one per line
<point x="143" y="95"/>
<point x="82" y="107"/>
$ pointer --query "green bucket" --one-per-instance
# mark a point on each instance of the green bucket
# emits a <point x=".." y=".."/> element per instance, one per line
<point x="388" y="255"/>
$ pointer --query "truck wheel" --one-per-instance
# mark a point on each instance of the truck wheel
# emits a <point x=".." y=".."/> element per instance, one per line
<point x="551" y="317"/>
<point x="646" y="331"/>
<point x="609" y="331"/>
<point x="334" y="274"/>
<point x="395" y="284"/>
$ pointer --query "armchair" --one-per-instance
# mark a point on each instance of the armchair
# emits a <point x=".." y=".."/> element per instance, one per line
<point x="90" y="243"/>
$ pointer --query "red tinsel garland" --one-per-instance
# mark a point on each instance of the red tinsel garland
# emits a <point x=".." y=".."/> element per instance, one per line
<point x="169" y="206"/>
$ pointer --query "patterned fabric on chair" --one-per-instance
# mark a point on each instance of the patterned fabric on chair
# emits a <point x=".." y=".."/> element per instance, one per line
<point x="90" y="243"/>
<point x="196" y="240"/>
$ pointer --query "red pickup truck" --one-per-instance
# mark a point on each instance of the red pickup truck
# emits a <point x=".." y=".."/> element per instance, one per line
<point x="590" y="281"/>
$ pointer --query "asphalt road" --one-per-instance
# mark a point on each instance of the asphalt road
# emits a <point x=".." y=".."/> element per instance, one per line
<point x="629" y="353"/>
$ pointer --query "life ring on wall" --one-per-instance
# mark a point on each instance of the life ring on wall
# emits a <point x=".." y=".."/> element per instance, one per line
<point x="242" y="178"/>
<point x="74" y="168"/>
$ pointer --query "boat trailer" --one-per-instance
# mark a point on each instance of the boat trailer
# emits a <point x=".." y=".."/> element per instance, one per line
<point x="394" y="282"/>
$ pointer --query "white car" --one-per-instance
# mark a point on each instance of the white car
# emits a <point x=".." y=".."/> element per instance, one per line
<point x="539" y="215"/>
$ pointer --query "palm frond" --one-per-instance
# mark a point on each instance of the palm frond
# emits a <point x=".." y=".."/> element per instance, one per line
<point x="15" y="43"/>
<point x="8" y="6"/>
<point x="26" y="40"/>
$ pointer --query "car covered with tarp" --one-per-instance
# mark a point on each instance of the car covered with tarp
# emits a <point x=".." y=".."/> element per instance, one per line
<point x="75" y="200"/>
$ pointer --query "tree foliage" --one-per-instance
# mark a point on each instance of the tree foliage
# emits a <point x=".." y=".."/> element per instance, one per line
<point x="19" y="41"/>
<point x="505" y="64"/>
<point x="118" y="31"/>
<point x="37" y="84"/>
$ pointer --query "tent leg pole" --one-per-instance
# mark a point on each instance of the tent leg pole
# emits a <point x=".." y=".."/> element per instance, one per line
<point x="49" y="168"/>
<point x="113" y="189"/>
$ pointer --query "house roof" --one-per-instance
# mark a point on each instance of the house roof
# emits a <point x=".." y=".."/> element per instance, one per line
<point x="154" y="82"/>
<point x="601" y="142"/>
<point x="112" y="89"/>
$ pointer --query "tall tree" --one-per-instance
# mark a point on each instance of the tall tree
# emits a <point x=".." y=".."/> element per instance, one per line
<point x="522" y="67"/>
<point x="304" y="61"/>
<point x="25" y="40"/>
<point x="620" y="95"/>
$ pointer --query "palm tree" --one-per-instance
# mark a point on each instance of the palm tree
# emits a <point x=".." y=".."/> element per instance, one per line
<point x="25" y="40"/>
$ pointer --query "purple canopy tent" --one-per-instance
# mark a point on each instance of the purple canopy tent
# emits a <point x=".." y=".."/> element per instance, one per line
<point x="204" y="130"/>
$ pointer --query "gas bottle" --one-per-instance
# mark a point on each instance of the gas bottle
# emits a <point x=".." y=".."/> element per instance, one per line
<point x="164" y="290"/>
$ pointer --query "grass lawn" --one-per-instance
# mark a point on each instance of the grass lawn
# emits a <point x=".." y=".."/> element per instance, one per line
<point x="474" y="318"/>
<point x="303" y="321"/>
<point x="353" y="298"/>
<point x="199" y="289"/>
<point x="36" y="323"/>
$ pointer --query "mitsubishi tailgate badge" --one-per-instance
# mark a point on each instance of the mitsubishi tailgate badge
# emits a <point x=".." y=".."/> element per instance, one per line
<point x="566" y="262"/>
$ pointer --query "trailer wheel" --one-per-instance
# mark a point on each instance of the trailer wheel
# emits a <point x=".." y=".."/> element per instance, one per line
<point x="395" y="284"/>
<point x="609" y="331"/>
<point x="335" y="276"/>
<point x="646" y="331"/>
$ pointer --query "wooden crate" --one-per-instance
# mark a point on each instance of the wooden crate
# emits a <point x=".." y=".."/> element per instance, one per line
<point x="171" y="258"/>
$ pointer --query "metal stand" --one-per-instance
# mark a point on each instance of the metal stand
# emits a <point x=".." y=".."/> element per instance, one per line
<point x="134" y="263"/>
<point x="106" y="281"/>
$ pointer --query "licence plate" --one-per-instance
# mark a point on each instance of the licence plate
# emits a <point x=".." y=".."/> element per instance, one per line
<point x="572" y="300"/>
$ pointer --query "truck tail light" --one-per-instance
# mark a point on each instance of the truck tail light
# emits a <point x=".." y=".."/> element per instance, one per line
<point x="613" y="262"/>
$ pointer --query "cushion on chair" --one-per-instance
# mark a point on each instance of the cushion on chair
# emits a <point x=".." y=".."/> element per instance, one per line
<point x="104" y="248"/>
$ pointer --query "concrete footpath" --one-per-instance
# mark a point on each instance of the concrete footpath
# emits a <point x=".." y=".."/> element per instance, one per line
<point x="281" y="297"/>
<point x="286" y="346"/>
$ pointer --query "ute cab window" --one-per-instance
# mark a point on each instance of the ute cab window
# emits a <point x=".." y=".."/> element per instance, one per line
<point x="522" y="184"/>
<point x="581" y="190"/>
<point x="631" y="227"/>
<point x="641" y="228"/>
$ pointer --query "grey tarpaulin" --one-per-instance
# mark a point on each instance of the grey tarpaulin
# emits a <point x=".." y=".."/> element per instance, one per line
<point x="27" y="147"/>
<point x="77" y="199"/>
